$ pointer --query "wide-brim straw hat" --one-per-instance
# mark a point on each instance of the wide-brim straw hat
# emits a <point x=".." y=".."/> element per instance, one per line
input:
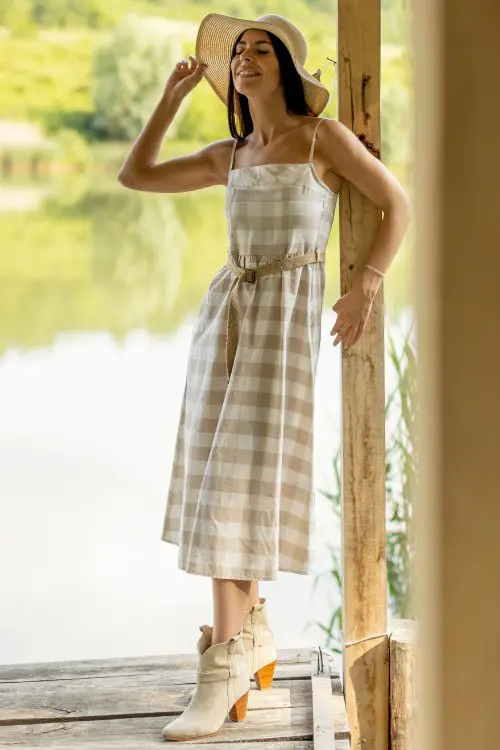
<point x="215" y="39"/>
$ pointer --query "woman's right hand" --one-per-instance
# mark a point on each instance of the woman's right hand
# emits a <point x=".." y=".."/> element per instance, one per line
<point x="184" y="77"/>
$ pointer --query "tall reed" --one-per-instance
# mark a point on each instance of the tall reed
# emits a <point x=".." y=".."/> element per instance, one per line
<point x="401" y="472"/>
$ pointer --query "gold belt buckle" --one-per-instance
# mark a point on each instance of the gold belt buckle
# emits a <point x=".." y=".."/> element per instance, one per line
<point x="250" y="275"/>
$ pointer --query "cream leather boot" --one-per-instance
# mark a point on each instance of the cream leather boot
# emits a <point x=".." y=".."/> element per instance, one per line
<point x="258" y="639"/>
<point x="259" y="645"/>
<point x="222" y="687"/>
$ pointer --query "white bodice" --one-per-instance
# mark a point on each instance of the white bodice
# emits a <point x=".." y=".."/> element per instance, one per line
<point x="274" y="210"/>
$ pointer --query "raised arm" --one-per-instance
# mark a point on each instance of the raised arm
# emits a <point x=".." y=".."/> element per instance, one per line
<point x="182" y="173"/>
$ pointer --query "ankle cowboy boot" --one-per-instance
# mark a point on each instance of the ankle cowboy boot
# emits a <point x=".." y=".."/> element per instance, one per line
<point x="222" y="687"/>
<point x="258" y="639"/>
<point x="259" y="645"/>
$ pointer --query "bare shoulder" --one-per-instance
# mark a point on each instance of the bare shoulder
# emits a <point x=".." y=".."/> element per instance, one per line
<point x="346" y="155"/>
<point x="332" y="132"/>
<point x="340" y="140"/>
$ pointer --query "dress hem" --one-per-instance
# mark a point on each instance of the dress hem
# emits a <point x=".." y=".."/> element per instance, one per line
<point x="244" y="576"/>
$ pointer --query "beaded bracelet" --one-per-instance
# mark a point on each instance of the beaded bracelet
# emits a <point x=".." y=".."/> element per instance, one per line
<point x="374" y="269"/>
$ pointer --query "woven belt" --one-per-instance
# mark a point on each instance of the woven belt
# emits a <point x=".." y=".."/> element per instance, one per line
<point x="250" y="275"/>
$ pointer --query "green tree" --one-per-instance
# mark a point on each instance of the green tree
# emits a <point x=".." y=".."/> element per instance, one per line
<point x="130" y="71"/>
<point x="18" y="15"/>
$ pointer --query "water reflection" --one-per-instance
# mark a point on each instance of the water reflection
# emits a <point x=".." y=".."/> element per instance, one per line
<point x="110" y="259"/>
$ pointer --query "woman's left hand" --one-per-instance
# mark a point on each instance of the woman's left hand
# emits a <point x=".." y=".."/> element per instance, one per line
<point x="353" y="310"/>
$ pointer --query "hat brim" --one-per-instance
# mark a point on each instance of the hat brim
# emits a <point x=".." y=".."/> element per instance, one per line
<point x="216" y="36"/>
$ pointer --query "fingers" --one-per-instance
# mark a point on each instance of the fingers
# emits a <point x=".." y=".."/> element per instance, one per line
<point x="347" y="333"/>
<point x="344" y="336"/>
<point x="183" y="64"/>
<point x="340" y="328"/>
<point x="341" y="322"/>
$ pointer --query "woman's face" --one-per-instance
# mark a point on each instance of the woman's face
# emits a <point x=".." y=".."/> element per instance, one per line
<point x="255" y="54"/>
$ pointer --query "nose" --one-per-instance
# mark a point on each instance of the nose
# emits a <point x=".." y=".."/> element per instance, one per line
<point x="246" y="54"/>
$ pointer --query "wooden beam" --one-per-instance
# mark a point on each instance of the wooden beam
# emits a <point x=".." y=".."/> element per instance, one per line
<point x="402" y="703"/>
<point x="457" y="246"/>
<point x="366" y="664"/>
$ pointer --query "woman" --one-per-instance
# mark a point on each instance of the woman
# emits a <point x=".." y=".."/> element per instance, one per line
<point x="241" y="499"/>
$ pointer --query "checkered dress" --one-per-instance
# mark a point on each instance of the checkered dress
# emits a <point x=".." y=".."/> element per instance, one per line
<point x="241" y="498"/>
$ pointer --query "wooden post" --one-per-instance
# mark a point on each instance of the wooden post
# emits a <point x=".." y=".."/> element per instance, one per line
<point x="403" y="650"/>
<point x="457" y="253"/>
<point x="366" y="664"/>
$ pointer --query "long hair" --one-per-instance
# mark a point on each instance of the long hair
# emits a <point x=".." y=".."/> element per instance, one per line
<point x="295" y="99"/>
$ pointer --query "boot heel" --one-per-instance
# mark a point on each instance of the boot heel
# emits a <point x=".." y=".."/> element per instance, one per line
<point x="264" y="676"/>
<point x="239" y="710"/>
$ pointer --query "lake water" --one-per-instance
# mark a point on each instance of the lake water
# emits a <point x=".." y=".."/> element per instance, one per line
<point x="99" y="289"/>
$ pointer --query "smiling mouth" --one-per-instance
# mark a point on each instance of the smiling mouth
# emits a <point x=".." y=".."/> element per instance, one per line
<point x="248" y="75"/>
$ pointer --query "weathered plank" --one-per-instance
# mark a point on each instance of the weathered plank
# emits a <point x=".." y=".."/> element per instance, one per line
<point x="342" y="732"/>
<point x="262" y="726"/>
<point x="119" y="697"/>
<point x="122" y="687"/>
<point x="322" y="703"/>
<point x="126" y="702"/>
<point x="130" y="665"/>
<point x="329" y="712"/>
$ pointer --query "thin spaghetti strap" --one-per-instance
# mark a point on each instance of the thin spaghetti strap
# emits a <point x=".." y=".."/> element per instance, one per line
<point x="232" y="154"/>
<point x="320" y="120"/>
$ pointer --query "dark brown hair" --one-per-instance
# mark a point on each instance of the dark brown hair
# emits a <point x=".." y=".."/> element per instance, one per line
<point x="295" y="99"/>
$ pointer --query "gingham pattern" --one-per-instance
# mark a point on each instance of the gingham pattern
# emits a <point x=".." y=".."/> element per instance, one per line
<point x="241" y="498"/>
<point x="250" y="275"/>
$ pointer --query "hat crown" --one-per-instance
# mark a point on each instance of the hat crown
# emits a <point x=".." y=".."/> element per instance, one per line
<point x="294" y="34"/>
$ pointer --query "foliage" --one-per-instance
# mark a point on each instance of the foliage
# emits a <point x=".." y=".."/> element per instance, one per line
<point x="129" y="73"/>
<point x="207" y="123"/>
<point x="402" y="478"/>
<point x="73" y="149"/>
<point x="22" y="16"/>
<point x="47" y="80"/>
<point x="48" y="74"/>
<point x="395" y="112"/>
<point x="401" y="483"/>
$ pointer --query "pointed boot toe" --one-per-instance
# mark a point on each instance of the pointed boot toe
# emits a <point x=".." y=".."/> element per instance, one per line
<point x="222" y="686"/>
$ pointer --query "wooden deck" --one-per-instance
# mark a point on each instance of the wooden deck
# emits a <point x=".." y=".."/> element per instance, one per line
<point x="125" y="703"/>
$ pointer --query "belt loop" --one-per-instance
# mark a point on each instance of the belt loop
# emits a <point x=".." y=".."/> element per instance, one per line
<point x="316" y="253"/>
